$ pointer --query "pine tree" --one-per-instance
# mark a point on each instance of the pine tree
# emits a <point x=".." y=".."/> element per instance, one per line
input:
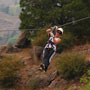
<point x="74" y="10"/>
<point x="39" y="13"/>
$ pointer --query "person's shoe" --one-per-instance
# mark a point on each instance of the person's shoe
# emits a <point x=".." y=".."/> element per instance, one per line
<point x="42" y="67"/>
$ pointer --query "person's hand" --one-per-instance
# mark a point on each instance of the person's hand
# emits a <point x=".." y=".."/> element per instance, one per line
<point x="55" y="27"/>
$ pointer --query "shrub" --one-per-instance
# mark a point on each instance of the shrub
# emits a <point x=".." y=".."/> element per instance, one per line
<point x="41" y="38"/>
<point x="87" y="87"/>
<point x="33" y="83"/>
<point x="9" y="67"/>
<point x="68" y="41"/>
<point x="70" y="65"/>
<point x="85" y="79"/>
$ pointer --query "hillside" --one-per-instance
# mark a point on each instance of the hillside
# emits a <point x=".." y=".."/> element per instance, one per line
<point x="8" y="22"/>
<point x="4" y="2"/>
<point x="30" y="75"/>
<point x="7" y="3"/>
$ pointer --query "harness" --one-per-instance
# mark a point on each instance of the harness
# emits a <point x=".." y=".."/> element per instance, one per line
<point x="50" y="43"/>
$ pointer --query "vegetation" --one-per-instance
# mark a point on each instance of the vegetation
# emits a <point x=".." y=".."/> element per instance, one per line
<point x="13" y="39"/>
<point x="86" y="80"/>
<point x="33" y="83"/>
<point x="68" y="41"/>
<point x="40" y="38"/>
<point x="70" y="65"/>
<point x="9" y="67"/>
<point x="87" y="87"/>
<point x="38" y="14"/>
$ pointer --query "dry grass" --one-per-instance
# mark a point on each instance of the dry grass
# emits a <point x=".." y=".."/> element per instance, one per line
<point x="9" y="67"/>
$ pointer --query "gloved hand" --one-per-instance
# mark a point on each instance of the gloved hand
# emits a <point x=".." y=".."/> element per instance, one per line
<point x="54" y="28"/>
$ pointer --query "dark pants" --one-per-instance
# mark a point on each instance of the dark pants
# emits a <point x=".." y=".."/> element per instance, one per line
<point x="48" y="53"/>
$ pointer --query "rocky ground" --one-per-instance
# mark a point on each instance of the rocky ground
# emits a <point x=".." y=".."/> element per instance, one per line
<point x="45" y="80"/>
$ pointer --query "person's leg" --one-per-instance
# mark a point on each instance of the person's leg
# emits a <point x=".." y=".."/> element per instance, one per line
<point x="44" y="60"/>
<point x="47" y="56"/>
<point x="51" y="53"/>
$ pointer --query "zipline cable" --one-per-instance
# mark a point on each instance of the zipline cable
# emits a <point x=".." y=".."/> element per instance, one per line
<point x="72" y="22"/>
<point x="75" y="21"/>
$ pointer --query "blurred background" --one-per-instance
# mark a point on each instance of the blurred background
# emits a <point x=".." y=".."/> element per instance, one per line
<point x="9" y="21"/>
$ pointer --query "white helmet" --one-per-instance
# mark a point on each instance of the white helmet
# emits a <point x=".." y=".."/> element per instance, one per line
<point x="60" y="29"/>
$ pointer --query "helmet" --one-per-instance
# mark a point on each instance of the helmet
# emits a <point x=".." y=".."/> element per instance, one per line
<point x="60" y="29"/>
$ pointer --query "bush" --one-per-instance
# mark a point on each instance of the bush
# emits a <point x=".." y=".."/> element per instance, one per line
<point x="34" y="83"/>
<point x="87" y="87"/>
<point x="70" y="65"/>
<point x="68" y="41"/>
<point x="41" y="38"/>
<point x="9" y="67"/>
<point x="85" y="79"/>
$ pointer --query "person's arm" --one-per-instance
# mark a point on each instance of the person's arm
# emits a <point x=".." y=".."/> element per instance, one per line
<point x="56" y="41"/>
<point x="50" y="30"/>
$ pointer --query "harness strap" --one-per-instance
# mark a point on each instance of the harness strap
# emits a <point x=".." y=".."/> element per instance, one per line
<point x="50" y="42"/>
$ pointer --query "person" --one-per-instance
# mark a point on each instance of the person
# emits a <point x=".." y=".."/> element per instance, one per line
<point x="49" y="51"/>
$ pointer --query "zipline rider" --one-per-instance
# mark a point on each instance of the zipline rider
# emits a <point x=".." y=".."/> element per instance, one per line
<point x="50" y="48"/>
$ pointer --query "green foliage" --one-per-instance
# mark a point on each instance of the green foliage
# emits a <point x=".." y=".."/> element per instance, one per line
<point x="9" y="67"/>
<point x="71" y="87"/>
<point x="87" y="87"/>
<point x="41" y="38"/>
<point x="33" y="83"/>
<point x="75" y="10"/>
<point x="68" y="41"/>
<point x="85" y="79"/>
<point x="39" y="13"/>
<point x="12" y="40"/>
<point x="70" y="65"/>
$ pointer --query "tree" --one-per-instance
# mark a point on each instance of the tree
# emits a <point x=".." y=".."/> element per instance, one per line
<point x="74" y="10"/>
<point x="39" y="13"/>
